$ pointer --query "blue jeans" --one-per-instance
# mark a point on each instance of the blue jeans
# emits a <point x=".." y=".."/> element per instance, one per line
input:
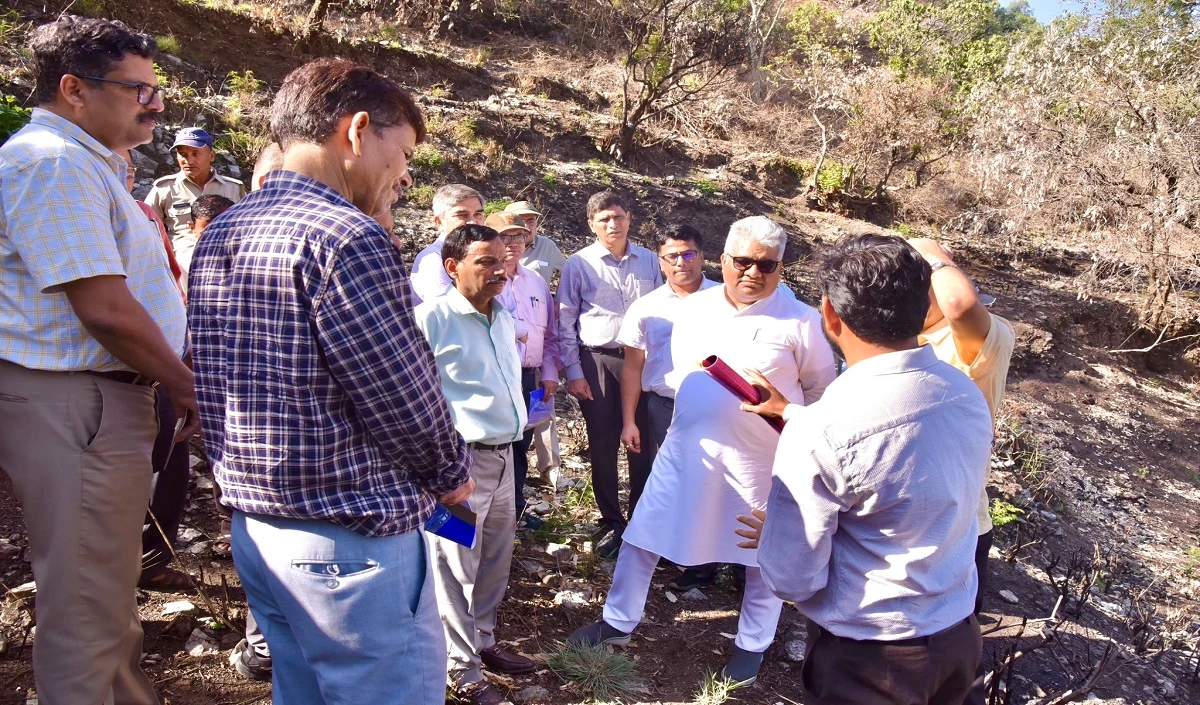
<point x="350" y="619"/>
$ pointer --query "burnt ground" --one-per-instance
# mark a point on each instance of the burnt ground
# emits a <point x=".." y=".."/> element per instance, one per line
<point x="1096" y="450"/>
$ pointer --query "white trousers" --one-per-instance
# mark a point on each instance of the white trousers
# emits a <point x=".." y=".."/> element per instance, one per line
<point x="626" y="601"/>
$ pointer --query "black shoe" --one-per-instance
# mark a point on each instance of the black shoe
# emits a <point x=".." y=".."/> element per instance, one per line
<point x="532" y="523"/>
<point x="739" y="577"/>
<point x="742" y="667"/>
<point x="610" y="545"/>
<point x="249" y="663"/>
<point x="598" y="633"/>
<point x="695" y="577"/>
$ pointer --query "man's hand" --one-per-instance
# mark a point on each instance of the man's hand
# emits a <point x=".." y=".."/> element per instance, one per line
<point x="579" y="389"/>
<point x="550" y="386"/>
<point x="773" y="402"/>
<point x="632" y="438"/>
<point x="754" y="533"/>
<point x="931" y="250"/>
<point x="458" y="496"/>
<point x="184" y="402"/>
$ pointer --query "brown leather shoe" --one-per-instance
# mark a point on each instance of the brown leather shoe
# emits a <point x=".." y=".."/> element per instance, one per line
<point x="482" y="693"/>
<point x="506" y="662"/>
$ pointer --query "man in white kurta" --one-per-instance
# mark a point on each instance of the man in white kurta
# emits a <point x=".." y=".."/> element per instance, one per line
<point x="716" y="460"/>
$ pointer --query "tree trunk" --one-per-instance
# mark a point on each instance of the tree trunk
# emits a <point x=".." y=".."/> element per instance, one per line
<point x="312" y="25"/>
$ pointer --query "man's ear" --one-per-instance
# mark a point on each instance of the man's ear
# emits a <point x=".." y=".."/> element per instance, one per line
<point x="360" y="122"/>
<point x="451" y="266"/>
<point x="70" y="89"/>
<point x="833" y="322"/>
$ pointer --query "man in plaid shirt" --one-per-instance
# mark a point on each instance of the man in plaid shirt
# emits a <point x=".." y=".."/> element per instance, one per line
<point x="322" y="410"/>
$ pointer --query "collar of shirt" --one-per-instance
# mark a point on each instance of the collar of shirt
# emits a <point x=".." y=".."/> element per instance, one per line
<point x="285" y="180"/>
<point x="51" y="121"/>
<point x="598" y="252"/>
<point x="898" y="362"/>
<point x="753" y="308"/>
<point x="460" y="304"/>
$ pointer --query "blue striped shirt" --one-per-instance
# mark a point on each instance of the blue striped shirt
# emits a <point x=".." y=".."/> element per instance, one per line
<point x="318" y="394"/>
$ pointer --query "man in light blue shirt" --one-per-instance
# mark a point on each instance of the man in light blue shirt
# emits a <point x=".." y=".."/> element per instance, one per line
<point x="871" y="524"/>
<point x="474" y="342"/>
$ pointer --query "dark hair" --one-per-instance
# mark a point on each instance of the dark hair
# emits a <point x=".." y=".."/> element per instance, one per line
<point x="459" y="240"/>
<point x="878" y="285"/>
<point x="602" y="201"/>
<point x="678" y="232"/>
<point x="210" y="205"/>
<point x="317" y="95"/>
<point x="81" y="46"/>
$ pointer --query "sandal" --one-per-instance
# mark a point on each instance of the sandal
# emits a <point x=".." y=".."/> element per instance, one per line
<point x="223" y="546"/>
<point x="164" y="579"/>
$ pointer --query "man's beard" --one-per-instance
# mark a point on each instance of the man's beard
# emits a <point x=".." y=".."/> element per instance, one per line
<point x="837" y="350"/>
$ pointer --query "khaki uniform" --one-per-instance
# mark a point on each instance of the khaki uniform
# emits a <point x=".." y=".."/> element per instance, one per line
<point x="172" y="198"/>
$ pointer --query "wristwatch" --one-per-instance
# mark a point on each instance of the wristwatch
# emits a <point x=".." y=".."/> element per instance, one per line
<point x="934" y="266"/>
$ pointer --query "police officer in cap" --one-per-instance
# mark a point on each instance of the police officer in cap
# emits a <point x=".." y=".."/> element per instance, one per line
<point x="172" y="195"/>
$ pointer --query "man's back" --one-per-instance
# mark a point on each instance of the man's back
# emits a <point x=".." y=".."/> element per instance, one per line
<point x="319" y="395"/>
<point x="886" y="468"/>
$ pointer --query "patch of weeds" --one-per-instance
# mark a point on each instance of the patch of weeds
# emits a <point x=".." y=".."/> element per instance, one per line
<point x="554" y="528"/>
<point x="834" y="177"/>
<point x="794" y="168"/>
<point x="463" y="131"/>
<point x="906" y="230"/>
<point x="1192" y="562"/>
<point x="90" y="8"/>
<point x="599" y="171"/>
<point x="600" y="671"/>
<point x="1142" y="472"/>
<point x="495" y="206"/>
<point x="12" y="117"/>
<point x="427" y="158"/>
<point x="244" y="146"/>
<point x="479" y="56"/>
<point x="1028" y="462"/>
<point x="706" y="186"/>
<point x="168" y="44"/>
<point x="714" y="690"/>
<point x="439" y="91"/>
<point x="244" y="83"/>
<point x="1004" y="513"/>
<point x="420" y="196"/>
<point x="550" y="178"/>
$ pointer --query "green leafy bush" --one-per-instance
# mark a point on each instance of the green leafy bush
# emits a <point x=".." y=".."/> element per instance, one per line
<point x="1004" y="513"/>
<point x="495" y="206"/>
<point x="12" y="117"/>
<point x="427" y="158"/>
<point x="420" y="196"/>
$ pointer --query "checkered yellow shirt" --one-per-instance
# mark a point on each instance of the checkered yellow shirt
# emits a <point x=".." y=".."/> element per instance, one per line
<point x="64" y="216"/>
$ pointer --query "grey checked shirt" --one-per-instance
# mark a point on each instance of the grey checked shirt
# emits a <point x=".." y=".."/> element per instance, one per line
<point x="594" y="293"/>
<point x="871" y="525"/>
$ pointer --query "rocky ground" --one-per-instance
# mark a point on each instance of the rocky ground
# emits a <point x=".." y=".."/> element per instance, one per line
<point x="1096" y="574"/>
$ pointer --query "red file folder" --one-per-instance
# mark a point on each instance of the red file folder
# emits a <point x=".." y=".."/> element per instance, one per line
<point x="736" y="385"/>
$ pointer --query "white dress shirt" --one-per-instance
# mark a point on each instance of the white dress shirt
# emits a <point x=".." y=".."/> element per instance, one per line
<point x="429" y="278"/>
<point x="647" y="327"/>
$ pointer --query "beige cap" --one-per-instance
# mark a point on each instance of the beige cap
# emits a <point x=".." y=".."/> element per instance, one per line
<point x="521" y="208"/>
<point x="503" y="221"/>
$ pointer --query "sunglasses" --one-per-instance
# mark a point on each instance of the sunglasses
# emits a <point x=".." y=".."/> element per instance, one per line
<point x="675" y="257"/>
<point x="766" y="266"/>
<point x="145" y="91"/>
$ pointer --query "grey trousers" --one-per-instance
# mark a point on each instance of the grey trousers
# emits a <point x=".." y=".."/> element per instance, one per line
<point x="77" y="448"/>
<point x="470" y="582"/>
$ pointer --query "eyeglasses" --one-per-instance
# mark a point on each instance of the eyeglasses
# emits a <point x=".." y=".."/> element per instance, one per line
<point x="766" y="266"/>
<point x="674" y="257"/>
<point x="513" y="239"/>
<point x="145" y="91"/>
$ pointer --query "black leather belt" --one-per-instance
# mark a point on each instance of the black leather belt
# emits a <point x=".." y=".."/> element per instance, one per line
<point x="123" y="376"/>
<point x="476" y="445"/>
<point x="615" y="352"/>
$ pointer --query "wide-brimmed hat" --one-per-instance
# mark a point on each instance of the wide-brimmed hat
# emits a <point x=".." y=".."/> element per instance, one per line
<point x="504" y="221"/>
<point x="522" y="208"/>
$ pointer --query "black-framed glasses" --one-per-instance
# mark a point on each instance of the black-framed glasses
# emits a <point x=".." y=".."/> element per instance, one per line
<point x="766" y="266"/>
<point x="674" y="257"/>
<point x="145" y="91"/>
<point x="512" y="239"/>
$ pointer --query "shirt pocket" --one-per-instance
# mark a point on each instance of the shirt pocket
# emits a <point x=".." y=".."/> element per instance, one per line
<point x="641" y="287"/>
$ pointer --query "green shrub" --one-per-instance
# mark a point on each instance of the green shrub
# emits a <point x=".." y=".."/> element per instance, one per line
<point x="906" y="230"/>
<point x="12" y="117"/>
<point x="706" y="186"/>
<point x="427" y="158"/>
<point x="550" y="178"/>
<point x="420" y="196"/>
<point x="496" y="206"/>
<point x="598" y="671"/>
<point x="599" y="171"/>
<point x="834" y="177"/>
<point x="1004" y="513"/>
<point x="168" y="44"/>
